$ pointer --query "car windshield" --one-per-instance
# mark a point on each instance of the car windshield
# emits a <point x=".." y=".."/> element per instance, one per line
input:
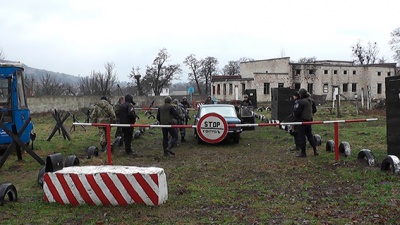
<point x="223" y="111"/>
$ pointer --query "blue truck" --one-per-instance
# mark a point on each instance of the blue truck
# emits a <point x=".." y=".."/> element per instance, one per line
<point x="14" y="111"/>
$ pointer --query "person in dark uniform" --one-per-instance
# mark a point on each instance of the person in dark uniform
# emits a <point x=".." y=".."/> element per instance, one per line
<point x="291" y="118"/>
<point x="303" y="112"/>
<point x="118" y="132"/>
<point x="166" y="115"/>
<point x="186" y="105"/>
<point x="127" y="115"/>
<point x="246" y="101"/>
<point x="209" y="100"/>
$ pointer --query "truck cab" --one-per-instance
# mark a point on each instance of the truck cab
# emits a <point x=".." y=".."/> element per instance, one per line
<point x="13" y="105"/>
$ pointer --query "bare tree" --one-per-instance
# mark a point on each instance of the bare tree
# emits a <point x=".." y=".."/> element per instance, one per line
<point x="135" y="76"/>
<point x="232" y="68"/>
<point x="106" y="81"/>
<point x="98" y="83"/>
<point x="208" y="69"/>
<point x="307" y="60"/>
<point x="48" y="86"/>
<point x="395" y="44"/>
<point x="194" y="66"/>
<point x="365" y="55"/>
<point x="159" y="75"/>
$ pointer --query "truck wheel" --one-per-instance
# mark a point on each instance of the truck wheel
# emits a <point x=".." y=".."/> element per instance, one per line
<point x="71" y="160"/>
<point x="330" y="146"/>
<point x="40" y="175"/>
<point x="367" y="154"/>
<point x="391" y="162"/>
<point x="9" y="190"/>
<point x="236" y="139"/>
<point x="344" y="148"/>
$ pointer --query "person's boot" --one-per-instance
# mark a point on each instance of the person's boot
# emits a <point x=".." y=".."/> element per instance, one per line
<point x="302" y="154"/>
<point x="183" y="139"/>
<point x="168" y="150"/>
<point x="166" y="154"/>
<point x="104" y="147"/>
<point x="315" y="151"/>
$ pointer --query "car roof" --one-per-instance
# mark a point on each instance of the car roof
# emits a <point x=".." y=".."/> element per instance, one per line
<point x="217" y="105"/>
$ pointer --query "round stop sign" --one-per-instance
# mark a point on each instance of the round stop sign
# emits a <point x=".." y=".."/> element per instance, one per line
<point x="212" y="128"/>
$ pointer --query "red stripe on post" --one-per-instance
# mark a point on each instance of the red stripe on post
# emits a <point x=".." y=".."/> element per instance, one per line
<point x="81" y="189"/>
<point x="154" y="177"/>
<point x="130" y="189"/>
<point x="113" y="189"/>
<point x="52" y="188"/>
<point x="146" y="187"/>
<point x="97" y="190"/>
<point x="67" y="190"/>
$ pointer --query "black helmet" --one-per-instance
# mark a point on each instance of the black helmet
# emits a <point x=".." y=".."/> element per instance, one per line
<point x="168" y="99"/>
<point x="303" y="93"/>
<point x="129" y="98"/>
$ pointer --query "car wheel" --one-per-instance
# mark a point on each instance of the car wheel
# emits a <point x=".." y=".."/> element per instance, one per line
<point x="236" y="139"/>
<point x="199" y="141"/>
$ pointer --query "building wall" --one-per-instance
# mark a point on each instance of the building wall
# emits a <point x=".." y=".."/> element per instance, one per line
<point x="320" y="75"/>
<point x="279" y="65"/>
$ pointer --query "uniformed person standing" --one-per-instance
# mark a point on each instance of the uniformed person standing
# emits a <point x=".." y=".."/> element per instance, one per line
<point x="119" y="132"/>
<point x="304" y="112"/>
<point x="127" y="115"/>
<point x="246" y="101"/>
<point x="166" y="115"/>
<point x="103" y="112"/>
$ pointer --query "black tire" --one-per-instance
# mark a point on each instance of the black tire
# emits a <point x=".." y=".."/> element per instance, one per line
<point x="236" y="139"/>
<point x="71" y="160"/>
<point x="8" y="190"/>
<point x="200" y="141"/>
<point x="318" y="139"/>
<point x="330" y="146"/>
<point x="344" y="148"/>
<point x="390" y="163"/>
<point x="40" y="175"/>
<point x="92" y="151"/>
<point x="366" y="154"/>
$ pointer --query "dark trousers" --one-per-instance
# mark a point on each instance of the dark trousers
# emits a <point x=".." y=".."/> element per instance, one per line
<point x="303" y="132"/>
<point x="174" y="137"/>
<point x="128" y="133"/>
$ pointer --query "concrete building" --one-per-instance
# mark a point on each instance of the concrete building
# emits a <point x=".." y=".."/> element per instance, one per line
<point x="319" y="78"/>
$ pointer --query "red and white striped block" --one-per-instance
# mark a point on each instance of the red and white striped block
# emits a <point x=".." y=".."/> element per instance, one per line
<point x="106" y="185"/>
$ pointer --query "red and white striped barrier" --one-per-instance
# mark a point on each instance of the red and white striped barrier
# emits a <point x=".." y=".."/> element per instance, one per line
<point x="272" y="123"/>
<point x="106" y="185"/>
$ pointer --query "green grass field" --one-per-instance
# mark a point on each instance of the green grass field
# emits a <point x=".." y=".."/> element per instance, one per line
<point x="258" y="181"/>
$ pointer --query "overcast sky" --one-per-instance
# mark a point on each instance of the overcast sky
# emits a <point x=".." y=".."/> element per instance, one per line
<point x="78" y="36"/>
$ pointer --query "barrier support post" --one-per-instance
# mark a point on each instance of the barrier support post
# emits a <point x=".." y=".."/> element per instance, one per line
<point x="336" y="132"/>
<point x="108" y="138"/>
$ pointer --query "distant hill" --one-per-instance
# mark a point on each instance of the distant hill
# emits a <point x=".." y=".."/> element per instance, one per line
<point x="37" y="74"/>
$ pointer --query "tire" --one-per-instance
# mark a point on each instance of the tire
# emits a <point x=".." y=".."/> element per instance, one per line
<point x="92" y="151"/>
<point x="391" y="162"/>
<point x="40" y="176"/>
<point x="71" y="160"/>
<point x="236" y="139"/>
<point x="344" y="148"/>
<point x="318" y="139"/>
<point x="9" y="190"/>
<point x="200" y="141"/>
<point x="330" y="146"/>
<point x="367" y="154"/>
